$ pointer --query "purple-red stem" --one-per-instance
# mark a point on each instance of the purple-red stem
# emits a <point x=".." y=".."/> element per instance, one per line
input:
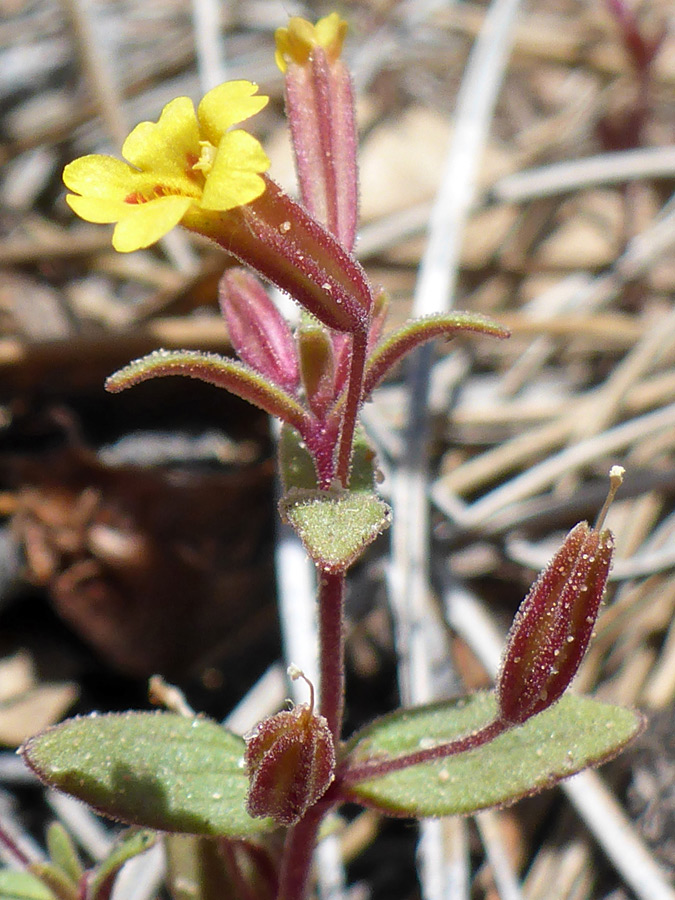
<point x="353" y="402"/>
<point x="301" y="838"/>
<point x="298" y="853"/>
<point x="13" y="848"/>
<point x="375" y="769"/>
<point x="244" y="891"/>
<point x="331" y="649"/>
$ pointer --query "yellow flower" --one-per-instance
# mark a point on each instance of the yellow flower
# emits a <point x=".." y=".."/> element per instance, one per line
<point x="184" y="162"/>
<point x="295" y="43"/>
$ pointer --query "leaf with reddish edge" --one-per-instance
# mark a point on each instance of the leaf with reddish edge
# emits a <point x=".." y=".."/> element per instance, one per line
<point x="575" y="733"/>
<point x="259" y="333"/>
<point x="59" y="884"/>
<point x="235" y="377"/>
<point x="157" y="770"/>
<point x="411" y="335"/>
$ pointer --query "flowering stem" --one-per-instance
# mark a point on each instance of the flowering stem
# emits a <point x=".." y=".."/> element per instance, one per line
<point x="353" y="402"/>
<point x="375" y="769"/>
<point x="297" y="855"/>
<point x="331" y="649"/>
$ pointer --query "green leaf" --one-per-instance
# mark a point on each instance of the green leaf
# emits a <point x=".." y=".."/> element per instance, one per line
<point x="57" y="881"/>
<point x="197" y="869"/>
<point x="574" y="733"/>
<point x="15" y="885"/>
<point x="418" y="331"/>
<point x="156" y="770"/>
<point x="364" y="473"/>
<point x="295" y="463"/>
<point x="234" y="376"/>
<point x="335" y="526"/>
<point x="62" y="852"/>
<point x="131" y="844"/>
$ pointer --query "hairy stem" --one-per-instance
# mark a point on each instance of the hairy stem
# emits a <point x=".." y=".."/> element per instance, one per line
<point x="298" y="854"/>
<point x="8" y="841"/>
<point x="352" y="404"/>
<point x="375" y="769"/>
<point x="331" y="649"/>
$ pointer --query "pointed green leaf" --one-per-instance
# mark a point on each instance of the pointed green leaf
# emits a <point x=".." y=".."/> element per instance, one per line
<point x="157" y="770"/>
<point x="335" y="526"/>
<point x="131" y="844"/>
<point x="295" y="463"/>
<point x="234" y="376"/>
<point x="62" y="852"/>
<point x="574" y="733"/>
<point x="15" y="885"/>
<point x="57" y="881"/>
<point x="364" y="473"/>
<point x="418" y="331"/>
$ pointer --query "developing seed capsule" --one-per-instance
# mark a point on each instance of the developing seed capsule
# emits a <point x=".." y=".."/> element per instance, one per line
<point x="290" y="762"/>
<point x="552" y="628"/>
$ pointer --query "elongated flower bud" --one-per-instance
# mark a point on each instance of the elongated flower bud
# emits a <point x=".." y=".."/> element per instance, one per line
<point x="555" y="622"/>
<point x="317" y="366"/>
<point x="290" y="762"/>
<point x="320" y="109"/>
<point x="258" y="331"/>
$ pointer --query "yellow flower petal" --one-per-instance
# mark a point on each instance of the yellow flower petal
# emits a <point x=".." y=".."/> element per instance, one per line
<point x="226" y="105"/>
<point x="145" y="223"/>
<point x="330" y="34"/>
<point x="102" y="176"/>
<point x="233" y="180"/>
<point x="169" y="147"/>
<point x="295" y="43"/>
<point x="96" y="209"/>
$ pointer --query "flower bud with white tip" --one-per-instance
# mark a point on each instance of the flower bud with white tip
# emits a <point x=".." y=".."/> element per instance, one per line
<point x="552" y="628"/>
<point x="290" y="761"/>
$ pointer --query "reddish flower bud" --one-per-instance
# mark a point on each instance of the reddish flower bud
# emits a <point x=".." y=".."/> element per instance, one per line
<point x="258" y="331"/>
<point x="290" y="762"/>
<point x="320" y="109"/>
<point x="317" y="367"/>
<point x="554" y="624"/>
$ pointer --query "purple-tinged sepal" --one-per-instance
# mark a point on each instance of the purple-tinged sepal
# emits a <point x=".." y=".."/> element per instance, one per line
<point x="281" y="241"/>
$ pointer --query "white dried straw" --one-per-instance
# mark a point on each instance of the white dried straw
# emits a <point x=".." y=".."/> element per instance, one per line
<point x="434" y="292"/>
